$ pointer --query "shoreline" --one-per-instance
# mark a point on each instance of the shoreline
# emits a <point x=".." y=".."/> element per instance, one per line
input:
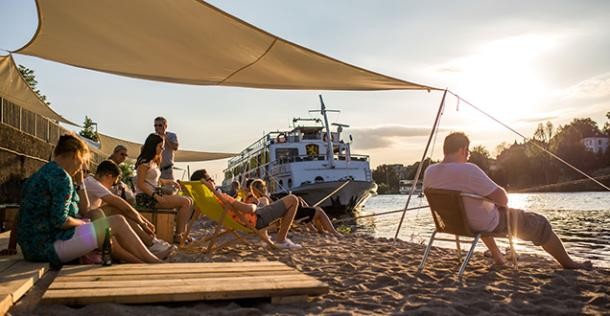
<point x="368" y="275"/>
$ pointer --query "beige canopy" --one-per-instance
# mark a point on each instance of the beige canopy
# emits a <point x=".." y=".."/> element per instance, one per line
<point x="107" y="144"/>
<point x="14" y="89"/>
<point x="187" y="41"/>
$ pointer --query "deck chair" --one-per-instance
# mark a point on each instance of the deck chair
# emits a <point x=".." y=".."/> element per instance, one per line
<point x="207" y="203"/>
<point x="449" y="215"/>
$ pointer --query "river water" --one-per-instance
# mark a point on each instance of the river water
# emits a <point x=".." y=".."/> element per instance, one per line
<point x="581" y="219"/>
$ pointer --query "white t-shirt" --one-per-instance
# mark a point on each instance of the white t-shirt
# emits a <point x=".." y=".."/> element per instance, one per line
<point x="469" y="178"/>
<point x="95" y="192"/>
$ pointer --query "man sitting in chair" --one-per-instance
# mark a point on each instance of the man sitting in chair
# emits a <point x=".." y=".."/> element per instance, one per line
<point x="455" y="173"/>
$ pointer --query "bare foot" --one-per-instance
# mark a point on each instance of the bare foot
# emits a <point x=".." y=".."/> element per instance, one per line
<point x="584" y="265"/>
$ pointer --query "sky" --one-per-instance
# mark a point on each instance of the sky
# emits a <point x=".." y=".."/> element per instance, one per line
<point x="524" y="62"/>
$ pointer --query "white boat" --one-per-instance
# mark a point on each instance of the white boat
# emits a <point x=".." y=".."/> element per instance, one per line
<point x="405" y="186"/>
<point x="310" y="161"/>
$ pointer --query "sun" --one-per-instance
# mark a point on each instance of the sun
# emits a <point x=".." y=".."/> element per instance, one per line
<point x="504" y="76"/>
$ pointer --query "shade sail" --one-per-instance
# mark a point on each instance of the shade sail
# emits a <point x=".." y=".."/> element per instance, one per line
<point x="16" y="90"/>
<point x="107" y="144"/>
<point x="187" y="41"/>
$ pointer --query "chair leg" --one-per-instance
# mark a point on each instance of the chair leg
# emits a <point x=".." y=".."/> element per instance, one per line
<point x="465" y="263"/>
<point x="426" y="253"/>
<point x="458" y="248"/>
<point x="513" y="252"/>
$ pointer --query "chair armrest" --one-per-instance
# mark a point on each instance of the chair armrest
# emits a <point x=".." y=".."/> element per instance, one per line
<point x="482" y="198"/>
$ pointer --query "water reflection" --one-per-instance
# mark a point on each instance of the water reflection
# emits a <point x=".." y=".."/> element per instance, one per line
<point x="582" y="220"/>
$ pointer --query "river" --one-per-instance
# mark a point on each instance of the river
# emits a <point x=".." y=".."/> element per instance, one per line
<point x="581" y="219"/>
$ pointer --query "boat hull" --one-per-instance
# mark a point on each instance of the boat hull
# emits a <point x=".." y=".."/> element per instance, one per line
<point x="345" y="201"/>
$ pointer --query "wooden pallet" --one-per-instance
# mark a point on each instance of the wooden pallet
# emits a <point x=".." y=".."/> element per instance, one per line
<point x="175" y="282"/>
<point x="16" y="278"/>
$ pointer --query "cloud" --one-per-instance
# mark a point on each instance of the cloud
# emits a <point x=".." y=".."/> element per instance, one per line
<point x="595" y="87"/>
<point x="540" y="117"/>
<point x="385" y="136"/>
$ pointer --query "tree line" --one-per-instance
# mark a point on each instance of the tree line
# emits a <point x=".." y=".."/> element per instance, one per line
<point x="526" y="167"/>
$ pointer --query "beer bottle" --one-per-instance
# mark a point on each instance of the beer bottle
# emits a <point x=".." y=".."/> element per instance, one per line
<point x="107" y="248"/>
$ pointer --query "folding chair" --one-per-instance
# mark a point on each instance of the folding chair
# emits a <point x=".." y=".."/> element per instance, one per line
<point x="209" y="205"/>
<point x="449" y="215"/>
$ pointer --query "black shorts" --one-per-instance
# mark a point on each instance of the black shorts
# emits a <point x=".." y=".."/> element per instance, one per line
<point x="145" y="200"/>
<point x="305" y="214"/>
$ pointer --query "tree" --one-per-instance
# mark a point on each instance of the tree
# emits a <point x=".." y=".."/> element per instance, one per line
<point x="88" y="131"/>
<point x="480" y="157"/>
<point x="30" y="78"/>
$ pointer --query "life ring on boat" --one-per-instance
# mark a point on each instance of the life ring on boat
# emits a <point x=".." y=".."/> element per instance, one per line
<point x="281" y="138"/>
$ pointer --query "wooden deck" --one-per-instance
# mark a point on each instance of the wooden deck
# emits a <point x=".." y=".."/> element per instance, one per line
<point x="174" y="282"/>
<point x="16" y="278"/>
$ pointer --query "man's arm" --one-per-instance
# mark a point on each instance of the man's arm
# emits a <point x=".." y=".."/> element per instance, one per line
<point x="499" y="197"/>
<point x="171" y="140"/>
<point x="126" y="209"/>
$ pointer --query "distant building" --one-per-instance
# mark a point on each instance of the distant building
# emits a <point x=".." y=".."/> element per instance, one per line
<point x="598" y="144"/>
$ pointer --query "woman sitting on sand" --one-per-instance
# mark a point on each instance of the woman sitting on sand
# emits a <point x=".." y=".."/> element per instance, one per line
<point x="48" y="229"/>
<point x="314" y="215"/>
<point x="148" y="193"/>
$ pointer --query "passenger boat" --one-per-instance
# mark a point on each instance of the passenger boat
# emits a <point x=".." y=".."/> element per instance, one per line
<point x="310" y="161"/>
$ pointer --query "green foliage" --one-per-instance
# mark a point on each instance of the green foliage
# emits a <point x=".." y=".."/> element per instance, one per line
<point x="127" y="170"/>
<point x="30" y="77"/>
<point x="344" y="229"/>
<point x="480" y="157"/>
<point x="88" y="131"/>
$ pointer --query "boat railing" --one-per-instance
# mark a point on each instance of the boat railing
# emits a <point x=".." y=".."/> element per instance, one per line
<point x="304" y="158"/>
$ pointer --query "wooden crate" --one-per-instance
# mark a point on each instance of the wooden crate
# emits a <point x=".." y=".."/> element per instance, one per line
<point x="164" y="221"/>
<point x="179" y="282"/>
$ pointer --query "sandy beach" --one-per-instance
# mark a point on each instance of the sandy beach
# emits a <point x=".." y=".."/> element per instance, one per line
<point x="370" y="276"/>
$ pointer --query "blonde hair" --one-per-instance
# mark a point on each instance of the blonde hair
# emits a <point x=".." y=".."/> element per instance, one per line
<point x="258" y="188"/>
<point x="69" y="143"/>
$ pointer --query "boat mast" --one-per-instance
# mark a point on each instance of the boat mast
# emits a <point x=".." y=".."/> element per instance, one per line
<point x="329" y="141"/>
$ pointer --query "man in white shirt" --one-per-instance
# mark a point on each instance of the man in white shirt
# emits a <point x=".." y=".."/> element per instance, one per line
<point x="171" y="145"/>
<point x="455" y="173"/>
<point x="101" y="198"/>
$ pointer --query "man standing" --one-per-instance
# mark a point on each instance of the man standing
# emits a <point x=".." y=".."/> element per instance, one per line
<point x="171" y="145"/>
<point x="455" y="173"/>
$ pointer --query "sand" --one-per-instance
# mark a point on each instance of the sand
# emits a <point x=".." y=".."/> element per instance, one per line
<point x="371" y="276"/>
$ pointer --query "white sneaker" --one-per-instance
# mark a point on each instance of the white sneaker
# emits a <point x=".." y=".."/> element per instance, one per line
<point x="288" y="244"/>
<point x="159" y="245"/>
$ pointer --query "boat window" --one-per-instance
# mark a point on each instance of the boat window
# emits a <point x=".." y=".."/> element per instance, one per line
<point x="286" y="154"/>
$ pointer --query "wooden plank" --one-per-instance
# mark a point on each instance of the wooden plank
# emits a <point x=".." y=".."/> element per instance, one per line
<point x="296" y="277"/>
<point x="140" y="266"/>
<point x="20" y="277"/>
<point x="184" y="293"/>
<point x="118" y="270"/>
<point x="166" y="276"/>
<point x="6" y="263"/>
<point x="6" y="302"/>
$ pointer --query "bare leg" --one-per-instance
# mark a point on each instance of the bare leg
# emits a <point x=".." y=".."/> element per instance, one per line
<point x="146" y="238"/>
<point x="291" y="203"/>
<point x="498" y="257"/>
<point x="185" y="210"/>
<point x="555" y="248"/>
<point x="125" y="236"/>
<point x="325" y="222"/>
<point x="120" y="253"/>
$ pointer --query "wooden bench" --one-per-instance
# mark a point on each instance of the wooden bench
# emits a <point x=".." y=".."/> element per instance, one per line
<point x="164" y="221"/>
<point x="180" y="282"/>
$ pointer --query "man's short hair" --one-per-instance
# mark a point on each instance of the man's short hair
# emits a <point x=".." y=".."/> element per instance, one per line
<point x="108" y="167"/>
<point x="200" y="174"/>
<point x="161" y="119"/>
<point x="119" y="148"/>
<point x="455" y="141"/>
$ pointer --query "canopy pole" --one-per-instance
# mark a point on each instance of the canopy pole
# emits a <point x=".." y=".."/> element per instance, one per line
<point x="421" y="163"/>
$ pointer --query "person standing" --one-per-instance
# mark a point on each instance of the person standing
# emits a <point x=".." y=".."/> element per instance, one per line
<point x="171" y="145"/>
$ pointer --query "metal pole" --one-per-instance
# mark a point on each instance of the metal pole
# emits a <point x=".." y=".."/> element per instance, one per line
<point x="421" y="163"/>
<point x="329" y="141"/>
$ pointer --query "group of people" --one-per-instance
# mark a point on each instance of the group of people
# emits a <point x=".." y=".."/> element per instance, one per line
<point x="65" y="212"/>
